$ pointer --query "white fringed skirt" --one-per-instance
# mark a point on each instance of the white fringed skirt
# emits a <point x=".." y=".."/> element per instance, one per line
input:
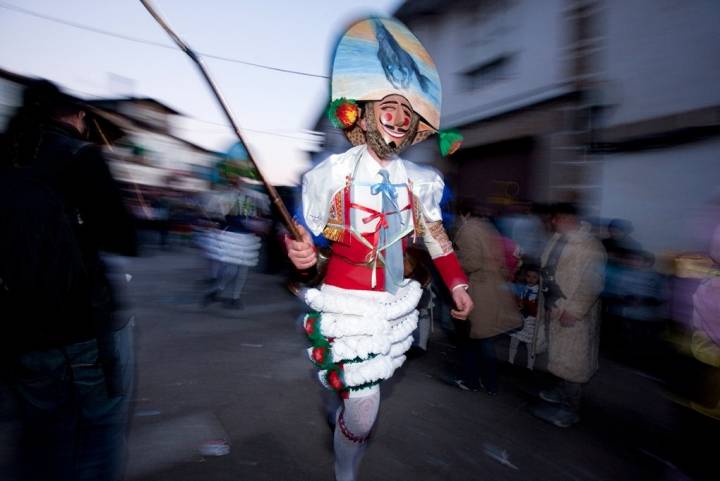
<point x="233" y="247"/>
<point x="359" y="338"/>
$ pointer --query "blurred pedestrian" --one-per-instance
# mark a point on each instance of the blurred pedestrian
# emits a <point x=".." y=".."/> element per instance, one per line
<point x="526" y="229"/>
<point x="705" y="343"/>
<point x="640" y="291"/>
<point x="481" y="253"/>
<point x="418" y="267"/>
<point x="572" y="279"/>
<point x="528" y="297"/>
<point x="161" y="208"/>
<point x="65" y="350"/>
<point x="233" y="245"/>
<point x="619" y="240"/>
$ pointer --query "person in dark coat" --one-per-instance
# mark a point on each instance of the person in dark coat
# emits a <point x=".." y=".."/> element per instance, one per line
<point x="66" y="352"/>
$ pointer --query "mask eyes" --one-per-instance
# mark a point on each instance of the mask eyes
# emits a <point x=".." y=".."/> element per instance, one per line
<point x="392" y="114"/>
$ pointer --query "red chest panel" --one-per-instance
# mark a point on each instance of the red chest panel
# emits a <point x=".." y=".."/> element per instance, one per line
<point x="348" y="267"/>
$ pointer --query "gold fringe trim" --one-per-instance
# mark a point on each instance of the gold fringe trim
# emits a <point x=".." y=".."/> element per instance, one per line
<point x="333" y="233"/>
<point x="419" y="231"/>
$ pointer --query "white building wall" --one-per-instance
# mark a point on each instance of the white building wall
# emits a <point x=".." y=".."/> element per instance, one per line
<point x="530" y="33"/>
<point x="666" y="194"/>
<point x="660" y="57"/>
<point x="169" y="153"/>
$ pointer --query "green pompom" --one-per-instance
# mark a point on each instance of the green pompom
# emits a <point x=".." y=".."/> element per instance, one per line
<point x="449" y="141"/>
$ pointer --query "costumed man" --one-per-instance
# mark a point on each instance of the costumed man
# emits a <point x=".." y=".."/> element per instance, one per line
<point x="371" y="204"/>
<point x="232" y="246"/>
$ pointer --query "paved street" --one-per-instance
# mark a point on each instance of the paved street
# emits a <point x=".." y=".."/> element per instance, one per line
<point x="242" y="376"/>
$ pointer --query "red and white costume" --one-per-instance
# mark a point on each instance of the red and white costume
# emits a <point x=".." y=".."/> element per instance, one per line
<point x="385" y="95"/>
<point x="360" y="332"/>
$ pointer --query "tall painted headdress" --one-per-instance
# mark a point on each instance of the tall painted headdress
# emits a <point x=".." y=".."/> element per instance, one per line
<point x="377" y="57"/>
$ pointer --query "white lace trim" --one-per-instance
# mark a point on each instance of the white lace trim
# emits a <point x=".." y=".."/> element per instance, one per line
<point x="382" y="305"/>
<point x="363" y="346"/>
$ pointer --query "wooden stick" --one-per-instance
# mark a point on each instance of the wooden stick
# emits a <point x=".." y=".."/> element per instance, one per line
<point x="272" y="192"/>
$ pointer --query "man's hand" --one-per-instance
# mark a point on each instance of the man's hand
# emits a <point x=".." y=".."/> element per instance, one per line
<point x="463" y="304"/>
<point x="301" y="251"/>
<point x="568" y="320"/>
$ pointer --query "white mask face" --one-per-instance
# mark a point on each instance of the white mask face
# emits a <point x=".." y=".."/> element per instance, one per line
<point x="394" y="118"/>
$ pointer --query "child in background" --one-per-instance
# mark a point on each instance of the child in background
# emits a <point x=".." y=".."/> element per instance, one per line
<point x="528" y="304"/>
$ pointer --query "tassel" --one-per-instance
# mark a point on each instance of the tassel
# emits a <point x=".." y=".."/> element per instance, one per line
<point x="449" y="141"/>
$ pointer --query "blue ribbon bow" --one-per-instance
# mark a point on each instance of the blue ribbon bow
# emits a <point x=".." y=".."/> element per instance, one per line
<point x="384" y="186"/>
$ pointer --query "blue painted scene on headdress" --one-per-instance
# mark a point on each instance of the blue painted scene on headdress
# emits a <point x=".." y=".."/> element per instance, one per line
<point x="364" y="68"/>
<point x="377" y="57"/>
<point x="398" y="65"/>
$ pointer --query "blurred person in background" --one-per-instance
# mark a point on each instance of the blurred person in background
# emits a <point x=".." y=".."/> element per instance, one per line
<point x="705" y="343"/>
<point x="418" y="266"/>
<point x="480" y="250"/>
<point x="211" y="215"/>
<point x="66" y="351"/>
<point x="637" y="310"/>
<point x="233" y="243"/>
<point x="632" y="295"/>
<point x="525" y="227"/>
<point x="619" y="246"/>
<point x="528" y="294"/>
<point x="572" y="279"/>
<point x="161" y="209"/>
<point x="619" y="241"/>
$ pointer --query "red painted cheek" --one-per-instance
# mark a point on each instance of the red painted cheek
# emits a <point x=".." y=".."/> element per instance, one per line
<point x="387" y="116"/>
<point x="406" y="122"/>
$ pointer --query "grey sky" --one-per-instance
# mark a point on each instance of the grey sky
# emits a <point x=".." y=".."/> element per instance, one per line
<point x="295" y="35"/>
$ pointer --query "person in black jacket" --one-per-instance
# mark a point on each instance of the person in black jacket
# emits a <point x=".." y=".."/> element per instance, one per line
<point x="65" y="351"/>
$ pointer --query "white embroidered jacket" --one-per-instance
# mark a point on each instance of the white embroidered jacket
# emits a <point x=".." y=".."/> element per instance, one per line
<point x="420" y="186"/>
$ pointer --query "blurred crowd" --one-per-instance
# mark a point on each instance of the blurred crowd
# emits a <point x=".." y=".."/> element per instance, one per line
<point x="573" y="289"/>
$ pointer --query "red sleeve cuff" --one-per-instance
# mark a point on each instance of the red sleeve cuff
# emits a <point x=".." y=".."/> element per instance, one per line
<point x="450" y="270"/>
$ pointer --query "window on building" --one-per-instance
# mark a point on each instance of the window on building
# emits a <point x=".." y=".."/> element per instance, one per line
<point x="494" y="70"/>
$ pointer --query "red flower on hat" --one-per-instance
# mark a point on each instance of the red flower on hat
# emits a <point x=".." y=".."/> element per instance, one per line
<point x="348" y="114"/>
<point x="343" y="113"/>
